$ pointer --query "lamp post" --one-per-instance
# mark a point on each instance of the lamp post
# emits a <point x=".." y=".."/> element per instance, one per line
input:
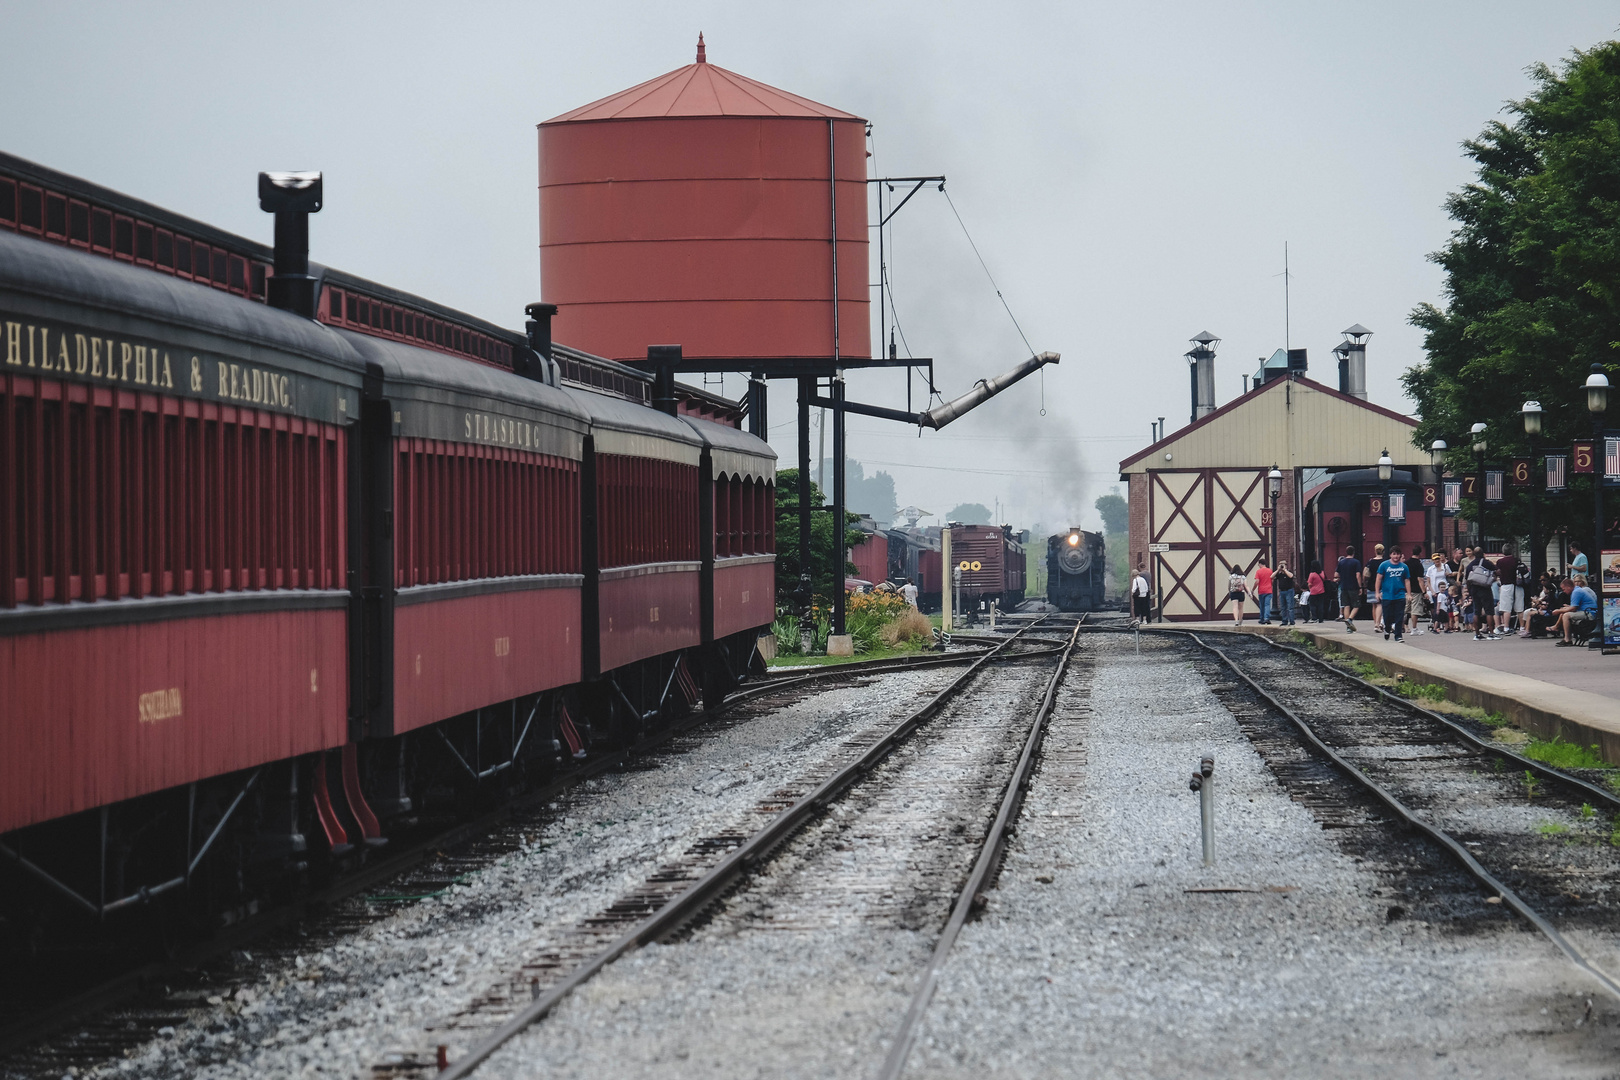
<point x="1597" y="403"/>
<point x="1532" y="428"/>
<point x="1437" y="458"/>
<point x="1386" y="469"/>
<point x="1478" y="432"/>
<point x="1274" y="485"/>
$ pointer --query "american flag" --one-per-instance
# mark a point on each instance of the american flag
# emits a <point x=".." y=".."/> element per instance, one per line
<point x="1453" y="497"/>
<point x="1493" y="486"/>
<point x="1556" y="466"/>
<point x="1611" y="459"/>
<point x="1397" y="506"/>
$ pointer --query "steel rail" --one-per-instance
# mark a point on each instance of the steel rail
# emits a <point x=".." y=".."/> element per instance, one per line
<point x="1549" y="771"/>
<point x="970" y="896"/>
<point x="701" y="892"/>
<point x="1438" y="835"/>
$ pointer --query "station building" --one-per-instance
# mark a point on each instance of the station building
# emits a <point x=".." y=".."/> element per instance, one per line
<point x="1200" y="502"/>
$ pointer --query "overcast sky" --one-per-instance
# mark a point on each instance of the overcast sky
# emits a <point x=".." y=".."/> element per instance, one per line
<point x="1130" y="172"/>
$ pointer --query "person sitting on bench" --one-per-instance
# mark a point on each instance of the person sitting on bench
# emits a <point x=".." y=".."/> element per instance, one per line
<point x="1579" y="616"/>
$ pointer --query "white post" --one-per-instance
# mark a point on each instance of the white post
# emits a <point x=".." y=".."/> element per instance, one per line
<point x="948" y="595"/>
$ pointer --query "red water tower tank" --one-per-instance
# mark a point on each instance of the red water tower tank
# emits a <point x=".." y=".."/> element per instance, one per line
<point x="698" y="210"/>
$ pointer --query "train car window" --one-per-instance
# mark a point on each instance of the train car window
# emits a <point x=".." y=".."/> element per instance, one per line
<point x="334" y="305"/>
<point x="79" y="223"/>
<point x="8" y="201"/>
<point x="182" y="255"/>
<point x="143" y="242"/>
<point x="260" y="272"/>
<point x="238" y="274"/>
<point x="124" y="237"/>
<point x="30" y="208"/>
<point x="101" y="230"/>
<point x="351" y="304"/>
<point x="55" y="216"/>
<point x="221" y="267"/>
<point x="165" y="248"/>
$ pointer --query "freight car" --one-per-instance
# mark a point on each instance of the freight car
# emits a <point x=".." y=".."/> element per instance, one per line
<point x="991" y="567"/>
<point x="272" y="586"/>
<point x="1075" y="571"/>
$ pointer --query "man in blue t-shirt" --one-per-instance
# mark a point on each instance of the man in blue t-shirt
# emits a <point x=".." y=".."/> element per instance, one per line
<point x="1394" y="581"/>
<point x="1581" y="614"/>
<point x="1349" y="587"/>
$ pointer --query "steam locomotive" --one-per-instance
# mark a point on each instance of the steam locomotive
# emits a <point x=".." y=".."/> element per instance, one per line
<point x="1075" y="571"/>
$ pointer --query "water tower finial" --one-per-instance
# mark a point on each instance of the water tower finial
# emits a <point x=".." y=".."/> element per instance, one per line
<point x="702" y="58"/>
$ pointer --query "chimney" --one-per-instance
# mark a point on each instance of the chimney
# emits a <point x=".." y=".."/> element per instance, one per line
<point x="1352" y="353"/>
<point x="663" y="360"/>
<point x="539" y="331"/>
<point x="292" y="197"/>
<point x="1201" y="364"/>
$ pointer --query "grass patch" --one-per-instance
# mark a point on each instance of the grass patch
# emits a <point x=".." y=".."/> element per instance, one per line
<point x="1552" y="828"/>
<point x="1562" y="755"/>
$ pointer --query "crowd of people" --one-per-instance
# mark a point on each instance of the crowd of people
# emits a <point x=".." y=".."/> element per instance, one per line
<point x="1469" y="592"/>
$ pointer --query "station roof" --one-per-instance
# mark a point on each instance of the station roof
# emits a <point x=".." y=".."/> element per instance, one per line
<point x="1290" y="423"/>
<point x="701" y="89"/>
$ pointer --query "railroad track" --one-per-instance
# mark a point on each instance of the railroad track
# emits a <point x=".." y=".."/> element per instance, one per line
<point x="678" y="893"/>
<point x="132" y="1006"/>
<point x="1517" y="826"/>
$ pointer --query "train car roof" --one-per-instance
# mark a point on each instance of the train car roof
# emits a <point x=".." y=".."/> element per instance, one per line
<point x="438" y="396"/>
<point x="623" y="427"/>
<point x="735" y="453"/>
<point x="69" y="281"/>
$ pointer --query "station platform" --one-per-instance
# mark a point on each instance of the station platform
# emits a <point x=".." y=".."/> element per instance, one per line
<point x="1573" y="694"/>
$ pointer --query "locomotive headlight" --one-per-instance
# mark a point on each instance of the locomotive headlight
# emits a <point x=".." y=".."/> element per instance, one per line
<point x="1074" y="539"/>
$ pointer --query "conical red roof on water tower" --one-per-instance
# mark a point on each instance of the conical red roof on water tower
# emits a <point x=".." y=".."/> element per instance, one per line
<point x="695" y="210"/>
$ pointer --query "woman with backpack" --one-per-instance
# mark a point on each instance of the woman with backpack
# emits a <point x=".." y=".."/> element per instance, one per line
<point x="1237" y="590"/>
<point x="1479" y="576"/>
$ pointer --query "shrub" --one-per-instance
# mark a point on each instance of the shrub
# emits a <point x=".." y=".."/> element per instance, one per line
<point x="786" y="631"/>
<point x="909" y="628"/>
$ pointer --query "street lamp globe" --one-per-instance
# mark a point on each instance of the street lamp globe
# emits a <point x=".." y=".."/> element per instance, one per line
<point x="1478" y="432"/>
<point x="1274" y="478"/>
<point x="1437" y="450"/>
<point x="1597" y="391"/>
<point x="1385" y="465"/>
<point x="1532" y="418"/>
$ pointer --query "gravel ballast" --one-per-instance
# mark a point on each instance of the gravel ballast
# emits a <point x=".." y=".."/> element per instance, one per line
<point x="393" y="989"/>
<point x="805" y="969"/>
<point x="1094" y="959"/>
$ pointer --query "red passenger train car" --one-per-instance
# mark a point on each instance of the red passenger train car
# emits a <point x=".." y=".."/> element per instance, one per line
<point x="273" y="587"/>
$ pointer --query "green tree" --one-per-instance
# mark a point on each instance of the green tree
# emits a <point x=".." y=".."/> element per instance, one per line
<point x="1532" y="291"/>
<point x="872" y="495"/>
<point x="969" y="514"/>
<point x="821" y="539"/>
<point x="1115" y="514"/>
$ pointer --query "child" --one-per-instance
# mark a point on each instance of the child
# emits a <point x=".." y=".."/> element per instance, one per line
<point x="1455" y="601"/>
<point x="1440" y="612"/>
